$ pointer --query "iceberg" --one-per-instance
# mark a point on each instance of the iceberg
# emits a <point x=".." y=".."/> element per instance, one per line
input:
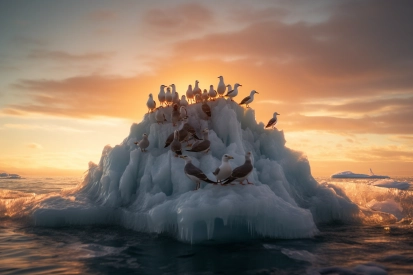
<point x="351" y="175"/>
<point x="149" y="192"/>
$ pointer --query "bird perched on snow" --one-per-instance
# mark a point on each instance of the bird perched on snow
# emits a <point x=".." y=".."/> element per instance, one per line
<point x="242" y="172"/>
<point x="161" y="95"/>
<point x="212" y="93"/>
<point x="194" y="173"/>
<point x="233" y="93"/>
<point x="206" y="109"/>
<point x="202" y="146"/>
<point x="176" y="146"/>
<point x="168" y="96"/>
<point x="229" y="87"/>
<point x="224" y="170"/>
<point x="221" y="88"/>
<point x="143" y="143"/>
<point x="160" y="115"/>
<point x="175" y="115"/>
<point x="272" y="121"/>
<point x="198" y="98"/>
<point x="189" y="128"/>
<point x="190" y="94"/>
<point x="183" y="112"/>
<point x="183" y="101"/>
<point x="249" y="98"/>
<point x="151" y="104"/>
<point x="205" y="95"/>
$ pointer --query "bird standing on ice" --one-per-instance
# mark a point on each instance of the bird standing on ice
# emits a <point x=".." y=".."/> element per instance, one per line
<point x="205" y="95"/>
<point x="242" y="172"/>
<point x="249" y="98"/>
<point x="233" y="93"/>
<point x="175" y="95"/>
<point x="190" y="93"/>
<point x="183" y="112"/>
<point x="224" y="170"/>
<point x="143" y="143"/>
<point x="202" y="146"/>
<point x="176" y="146"/>
<point x="168" y="96"/>
<point x="194" y="173"/>
<point x="221" y="88"/>
<point x="212" y="93"/>
<point x="197" y="90"/>
<point x="272" y="121"/>
<point x="183" y="101"/>
<point x="161" y="95"/>
<point x="151" y="104"/>
<point x="160" y="115"/>
<point x="176" y="115"/>
<point x="206" y="109"/>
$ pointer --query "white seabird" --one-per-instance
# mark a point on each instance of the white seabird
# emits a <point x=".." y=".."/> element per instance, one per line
<point x="183" y="101"/>
<point x="224" y="170"/>
<point x="175" y="95"/>
<point x="233" y="93"/>
<point x="194" y="173"/>
<point x="168" y="96"/>
<point x="202" y="146"/>
<point x="249" y="98"/>
<point x="190" y="94"/>
<point x="151" y="104"/>
<point x="183" y="112"/>
<point x="221" y="88"/>
<point x="198" y="98"/>
<point x="272" y="121"/>
<point x="212" y="93"/>
<point x="160" y="115"/>
<point x="205" y="95"/>
<point x="161" y="95"/>
<point x="143" y="143"/>
<point x="197" y="90"/>
<point x="176" y="146"/>
<point x="242" y="172"/>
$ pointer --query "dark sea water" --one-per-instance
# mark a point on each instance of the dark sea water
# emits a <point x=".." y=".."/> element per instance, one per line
<point x="338" y="248"/>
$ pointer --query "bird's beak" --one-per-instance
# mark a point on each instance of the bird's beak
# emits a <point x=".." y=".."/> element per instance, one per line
<point x="257" y="92"/>
<point x="240" y="84"/>
<point x="181" y="156"/>
<point x="230" y="157"/>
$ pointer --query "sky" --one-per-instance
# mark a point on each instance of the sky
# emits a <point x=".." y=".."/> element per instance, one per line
<point x="75" y="75"/>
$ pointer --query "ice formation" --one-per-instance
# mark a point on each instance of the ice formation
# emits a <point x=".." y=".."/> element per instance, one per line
<point x="148" y="191"/>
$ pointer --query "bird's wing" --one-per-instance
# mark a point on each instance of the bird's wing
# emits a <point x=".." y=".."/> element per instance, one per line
<point x="242" y="171"/>
<point x="192" y="170"/>
<point x="245" y="100"/>
<point x="216" y="171"/>
<point x="202" y="146"/>
<point x="206" y="109"/>
<point x="169" y="140"/>
<point x="230" y="92"/>
<point x="271" y="122"/>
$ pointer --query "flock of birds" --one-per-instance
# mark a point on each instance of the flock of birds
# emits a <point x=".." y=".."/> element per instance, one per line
<point x="186" y="133"/>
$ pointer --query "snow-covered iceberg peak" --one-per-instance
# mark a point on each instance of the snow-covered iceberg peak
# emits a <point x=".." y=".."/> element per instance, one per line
<point x="149" y="191"/>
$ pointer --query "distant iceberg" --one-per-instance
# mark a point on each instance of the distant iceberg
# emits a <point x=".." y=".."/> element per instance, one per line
<point x="149" y="192"/>
<point x="351" y="175"/>
<point x="9" y="176"/>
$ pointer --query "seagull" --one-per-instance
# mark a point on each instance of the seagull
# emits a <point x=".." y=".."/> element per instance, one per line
<point x="212" y="93"/>
<point x="151" y="104"/>
<point x="190" y="93"/>
<point x="168" y="96"/>
<point x="143" y="143"/>
<point x="224" y="170"/>
<point x="233" y="93"/>
<point x="229" y="87"/>
<point x="183" y="112"/>
<point x="176" y="146"/>
<point x="202" y="146"/>
<point x="189" y="128"/>
<point x="241" y="172"/>
<point x="272" y="121"/>
<point x="249" y="98"/>
<point x="175" y="95"/>
<point x="221" y="86"/>
<point x="198" y="98"/>
<point x="206" y="109"/>
<point x="183" y="101"/>
<point x="176" y="115"/>
<point x="197" y="90"/>
<point x="205" y="95"/>
<point x="194" y="173"/>
<point x="161" y="95"/>
<point x="159" y="115"/>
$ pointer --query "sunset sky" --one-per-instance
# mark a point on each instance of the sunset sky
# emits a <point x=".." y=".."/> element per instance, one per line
<point x="74" y="75"/>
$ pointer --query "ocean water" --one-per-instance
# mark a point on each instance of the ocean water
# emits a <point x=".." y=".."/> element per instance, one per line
<point x="338" y="248"/>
